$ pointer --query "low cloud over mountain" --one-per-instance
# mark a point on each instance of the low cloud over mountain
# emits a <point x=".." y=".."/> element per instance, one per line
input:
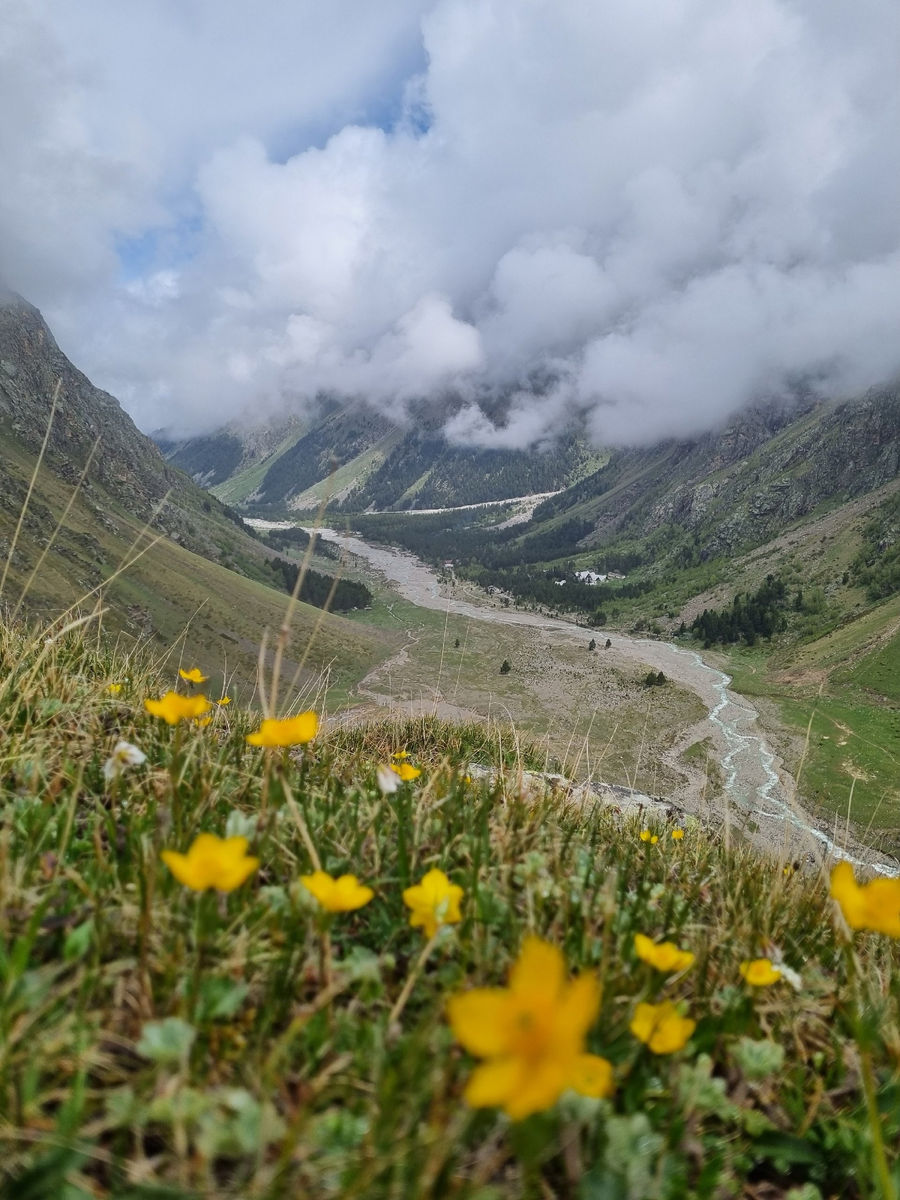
<point x="643" y="216"/>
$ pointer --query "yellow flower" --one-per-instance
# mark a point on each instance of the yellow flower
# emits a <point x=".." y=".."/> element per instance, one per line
<point x="664" y="956"/>
<point x="400" y="754"/>
<point x="761" y="972"/>
<point x="114" y="688"/>
<point x="874" y="905"/>
<point x="225" y="700"/>
<point x="212" y="862"/>
<point x="532" y="1034"/>
<point x="193" y="675"/>
<point x="434" y="902"/>
<point x="647" y="836"/>
<point x="291" y="731"/>
<point x="677" y="835"/>
<point x="202" y="722"/>
<point x="174" y="708"/>
<point x="406" y="771"/>
<point x="343" y="894"/>
<point x="661" y="1027"/>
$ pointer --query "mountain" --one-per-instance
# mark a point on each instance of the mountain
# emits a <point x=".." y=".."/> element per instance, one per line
<point x="772" y="545"/>
<point x="114" y="493"/>
<point x="733" y="488"/>
<point x="358" y="459"/>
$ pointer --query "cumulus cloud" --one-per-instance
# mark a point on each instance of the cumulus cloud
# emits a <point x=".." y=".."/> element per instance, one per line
<point x="639" y="217"/>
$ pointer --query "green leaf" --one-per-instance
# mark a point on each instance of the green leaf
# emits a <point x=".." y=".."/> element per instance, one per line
<point x="78" y="941"/>
<point x="758" y="1059"/>
<point x="44" y="1178"/>
<point x="220" y="998"/>
<point x="167" y="1041"/>
<point x="786" y="1151"/>
<point x="238" y="1125"/>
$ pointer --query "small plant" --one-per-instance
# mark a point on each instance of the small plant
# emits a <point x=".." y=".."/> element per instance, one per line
<point x="505" y="667"/>
<point x="654" y="679"/>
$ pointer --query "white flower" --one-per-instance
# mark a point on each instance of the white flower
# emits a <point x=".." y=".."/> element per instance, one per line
<point x="123" y="755"/>
<point x="388" y="780"/>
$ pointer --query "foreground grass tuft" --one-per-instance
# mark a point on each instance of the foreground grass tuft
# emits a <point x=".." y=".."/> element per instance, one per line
<point x="162" y="1040"/>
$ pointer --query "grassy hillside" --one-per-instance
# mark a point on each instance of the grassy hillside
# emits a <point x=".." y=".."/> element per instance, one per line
<point x="179" y="602"/>
<point x="104" y="498"/>
<point x="843" y="687"/>
<point x="164" y="1042"/>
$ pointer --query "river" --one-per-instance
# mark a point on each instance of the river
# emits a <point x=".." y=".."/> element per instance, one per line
<point x="755" y="781"/>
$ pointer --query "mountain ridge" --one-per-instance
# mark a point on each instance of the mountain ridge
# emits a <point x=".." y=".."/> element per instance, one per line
<point x="103" y="495"/>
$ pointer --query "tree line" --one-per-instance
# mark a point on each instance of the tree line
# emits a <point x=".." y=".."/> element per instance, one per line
<point x="748" y="617"/>
<point x="316" y="587"/>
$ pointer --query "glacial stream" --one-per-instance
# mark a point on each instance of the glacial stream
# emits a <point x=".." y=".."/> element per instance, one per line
<point x="754" y="785"/>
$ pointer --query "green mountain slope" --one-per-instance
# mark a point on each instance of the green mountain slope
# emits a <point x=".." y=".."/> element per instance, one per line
<point x="360" y="460"/>
<point x="203" y="574"/>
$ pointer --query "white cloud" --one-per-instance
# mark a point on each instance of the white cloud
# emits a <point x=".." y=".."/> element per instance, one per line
<point x="667" y="209"/>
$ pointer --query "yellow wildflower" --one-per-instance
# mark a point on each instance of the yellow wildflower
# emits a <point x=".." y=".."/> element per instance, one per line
<point x="202" y="722"/>
<point x="664" y="956"/>
<point x="677" y="835"/>
<point x="400" y="754"/>
<point x="532" y="1034"/>
<point x="406" y="771"/>
<point x="173" y="708"/>
<point x="291" y="731"/>
<point x="434" y="902"/>
<point x="225" y="700"/>
<point x="212" y="862"/>
<point x="194" y="675"/>
<point x="661" y="1027"/>
<point x="874" y="905"/>
<point x="114" y="688"/>
<point x="343" y="894"/>
<point x="761" y="972"/>
<point x="647" y="836"/>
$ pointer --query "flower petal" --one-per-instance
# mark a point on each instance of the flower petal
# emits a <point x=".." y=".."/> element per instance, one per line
<point x="592" y="1076"/>
<point x="578" y="1007"/>
<point x="481" y="1020"/>
<point x="493" y="1083"/>
<point x="539" y="971"/>
<point x="540" y="1086"/>
<point x="186" y="870"/>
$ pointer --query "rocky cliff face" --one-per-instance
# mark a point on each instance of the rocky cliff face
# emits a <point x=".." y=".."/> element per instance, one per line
<point x="127" y="470"/>
<point x="742" y="485"/>
<point x="32" y="368"/>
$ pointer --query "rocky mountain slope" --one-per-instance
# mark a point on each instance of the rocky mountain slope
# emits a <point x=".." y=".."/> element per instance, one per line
<point x="102" y="495"/>
<point x="360" y="460"/>
<point x="739" y="486"/>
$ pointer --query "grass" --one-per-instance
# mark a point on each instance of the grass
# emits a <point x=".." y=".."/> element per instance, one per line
<point x="843" y="687"/>
<point x="590" y="717"/>
<point x="242" y="484"/>
<point x="179" y="601"/>
<point x="162" y="1043"/>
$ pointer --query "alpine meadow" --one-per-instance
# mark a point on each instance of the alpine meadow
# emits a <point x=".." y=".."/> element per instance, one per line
<point x="450" y="617"/>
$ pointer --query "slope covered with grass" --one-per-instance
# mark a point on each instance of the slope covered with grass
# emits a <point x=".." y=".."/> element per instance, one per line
<point x="163" y="1042"/>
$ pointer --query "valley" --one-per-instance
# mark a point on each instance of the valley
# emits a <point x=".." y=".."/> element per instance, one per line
<point x="694" y="740"/>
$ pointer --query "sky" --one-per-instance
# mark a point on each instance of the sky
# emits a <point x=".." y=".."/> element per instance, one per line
<point x="634" y="218"/>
